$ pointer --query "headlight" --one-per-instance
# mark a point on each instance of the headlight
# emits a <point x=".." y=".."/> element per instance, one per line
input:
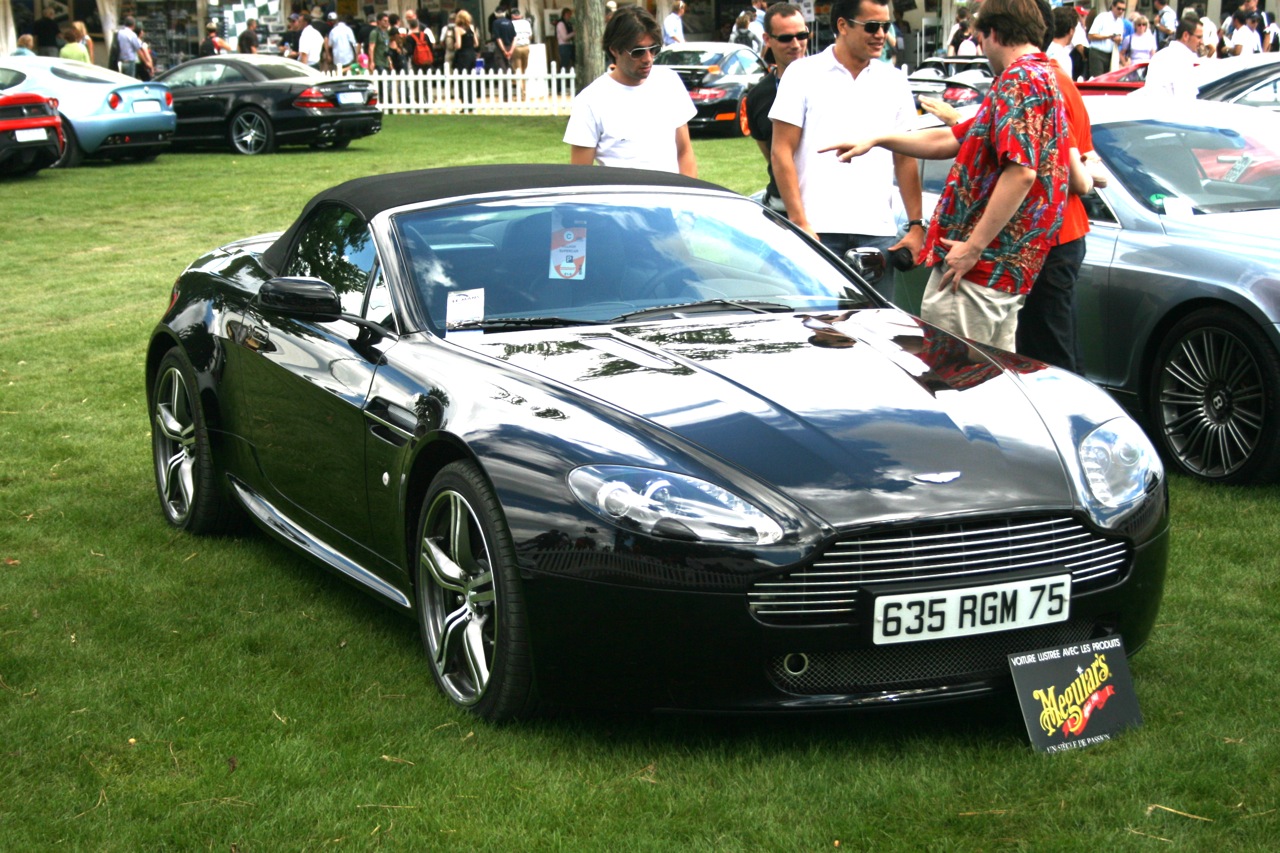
<point x="1119" y="463"/>
<point x="671" y="506"/>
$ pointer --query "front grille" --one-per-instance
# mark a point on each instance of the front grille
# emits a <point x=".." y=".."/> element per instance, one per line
<point x="915" y="666"/>
<point x="968" y="552"/>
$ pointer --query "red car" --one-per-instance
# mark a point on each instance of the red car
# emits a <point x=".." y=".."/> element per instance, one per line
<point x="30" y="133"/>
<point x="1122" y="81"/>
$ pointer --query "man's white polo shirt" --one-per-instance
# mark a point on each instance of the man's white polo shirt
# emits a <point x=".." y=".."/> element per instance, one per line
<point x="820" y="96"/>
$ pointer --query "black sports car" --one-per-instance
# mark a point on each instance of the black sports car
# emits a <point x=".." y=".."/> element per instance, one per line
<point x="255" y="103"/>
<point x="617" y="437"/>
<point x="717" y="75"/>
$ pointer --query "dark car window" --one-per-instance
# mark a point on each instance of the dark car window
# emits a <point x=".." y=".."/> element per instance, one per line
<point x="335" y="245"/>
<point x="203" y="74"/>
<point x="689" y="57"/>
<point x="78" y="76"/>
<point x="283" y="70"/>
<point x="1267" y="95"/>
<point x="9" y="77"/>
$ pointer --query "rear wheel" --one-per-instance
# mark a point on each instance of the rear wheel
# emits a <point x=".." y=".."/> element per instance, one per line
<point x="469" y="601"/>
<point x="184" y="465"/>
<point x="72" y="153"/>
<point x="251" y="132"/>
<point x="1215" y="398"/>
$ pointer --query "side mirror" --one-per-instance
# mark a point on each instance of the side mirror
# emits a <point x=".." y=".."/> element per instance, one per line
<point x="302" y="297"/>
<point x="867" y="262"/>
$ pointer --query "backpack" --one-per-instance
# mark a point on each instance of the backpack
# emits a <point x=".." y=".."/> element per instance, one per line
<point x="422" y="55"/>
<point x="743" y="37"/>
<point x="208" y="48"/>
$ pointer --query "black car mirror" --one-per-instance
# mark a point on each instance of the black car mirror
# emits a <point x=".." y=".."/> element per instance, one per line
<point x="867" y="262"/>
<point x="303" y="297"/>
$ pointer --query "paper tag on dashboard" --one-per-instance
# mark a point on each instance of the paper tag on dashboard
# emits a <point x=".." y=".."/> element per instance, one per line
<point x="463" y="307"/>
<point x="568" y="254"/>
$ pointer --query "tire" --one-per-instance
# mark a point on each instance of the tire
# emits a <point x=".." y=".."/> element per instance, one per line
<point x="72" y="153"/>
<point x="186" y="478"/>
<point x="1214" y="398"/>
<point x="468" y="599"/>
<point x="744" y="125"/>
<point x="251" y="132"/>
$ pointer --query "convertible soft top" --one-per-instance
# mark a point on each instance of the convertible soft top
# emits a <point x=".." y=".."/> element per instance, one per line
<point x="376" y="193"/>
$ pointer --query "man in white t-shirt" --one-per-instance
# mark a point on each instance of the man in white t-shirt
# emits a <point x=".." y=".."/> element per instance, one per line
<point x="1171" y="71"/>
<point x="310" y="46"/>
<point x="838" y="94"/>
<point x="637" y="115"/>
<point x="1245" y="40"/>
<point x="520" y="51"/>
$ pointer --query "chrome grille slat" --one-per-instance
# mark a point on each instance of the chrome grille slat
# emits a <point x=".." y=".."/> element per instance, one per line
<point x="959" y="550"/>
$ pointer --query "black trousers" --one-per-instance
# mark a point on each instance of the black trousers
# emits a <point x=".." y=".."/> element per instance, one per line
<point x="1047" y="322"/>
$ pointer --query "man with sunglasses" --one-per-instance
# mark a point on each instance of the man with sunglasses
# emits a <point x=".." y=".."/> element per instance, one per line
<point x="846" y="93"/>
<point x="786" y="39"/>
<point x="1104" y="38"/>
<point x="636" y="115"/>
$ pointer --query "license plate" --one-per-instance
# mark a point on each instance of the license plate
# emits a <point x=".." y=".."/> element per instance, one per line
<point x="146" y="106"/>
<point x="910" y="617"/>
<point x="351" y="97"/>
<point x="31" y="134"/>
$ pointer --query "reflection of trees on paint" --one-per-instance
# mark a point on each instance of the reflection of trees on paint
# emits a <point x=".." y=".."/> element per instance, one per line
<point x="336" y="247"/>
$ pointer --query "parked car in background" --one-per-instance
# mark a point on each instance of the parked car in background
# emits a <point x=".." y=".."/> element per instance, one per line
<point x="620" y="438"/>
<point x="1255" y="84"/>
<point x="255" y="102"/>
<point x="1179" y="295"/>
<point x="30" y="133"/>
<point x="104" y="113"/>
<point x="1122" y="81"/>
<point x="717" y="75"/>
<point x="959" y="80"/>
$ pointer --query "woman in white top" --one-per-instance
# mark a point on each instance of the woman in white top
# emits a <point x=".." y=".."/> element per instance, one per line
<point x="1140" y="45"/>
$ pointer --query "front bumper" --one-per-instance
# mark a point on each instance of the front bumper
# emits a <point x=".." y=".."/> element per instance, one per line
<point x="610" y="645"/>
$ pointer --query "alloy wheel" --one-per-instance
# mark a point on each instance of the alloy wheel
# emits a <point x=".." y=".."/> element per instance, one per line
<point x="174" y="445"/>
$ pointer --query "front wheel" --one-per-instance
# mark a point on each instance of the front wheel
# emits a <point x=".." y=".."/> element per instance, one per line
<point x="186" y="478"/>
<point x="1215" y="398"/>
<point x="251" y="132"/>
<point x="468" y="598"/>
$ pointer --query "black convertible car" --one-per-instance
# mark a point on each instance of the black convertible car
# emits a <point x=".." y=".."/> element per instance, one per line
<point x="621" y="438"/>
<point x="255" y="103"/>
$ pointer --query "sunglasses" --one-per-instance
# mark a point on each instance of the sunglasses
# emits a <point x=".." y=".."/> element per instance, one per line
<point x="641" y="52"/>
<point x="870" y="27"/>
<point x="803" y="35"/>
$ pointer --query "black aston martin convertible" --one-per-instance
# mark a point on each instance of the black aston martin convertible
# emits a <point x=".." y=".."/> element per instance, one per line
<point x="620" y="438"/>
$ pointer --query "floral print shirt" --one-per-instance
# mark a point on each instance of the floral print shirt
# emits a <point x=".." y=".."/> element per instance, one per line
<point x="1022" y="120"/>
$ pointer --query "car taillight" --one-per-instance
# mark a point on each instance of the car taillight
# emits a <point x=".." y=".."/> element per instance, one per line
<point x="707" y="94"/>
<point x="168" y="99"/>
<point x="114" y="100"/>
<point x="53" y="102"/>
<point x="958" y="96"/>
<point x="312" y="98"/>
<point x="373" y="99"/>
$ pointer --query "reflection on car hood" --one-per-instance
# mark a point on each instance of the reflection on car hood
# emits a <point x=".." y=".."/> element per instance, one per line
<point x="866" y="416"/>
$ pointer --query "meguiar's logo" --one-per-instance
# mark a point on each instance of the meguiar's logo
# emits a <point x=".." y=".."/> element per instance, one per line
<point x="1071" y="709"/>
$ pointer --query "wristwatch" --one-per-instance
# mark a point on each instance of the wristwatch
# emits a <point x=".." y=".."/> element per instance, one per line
<point x="919" y="222"/>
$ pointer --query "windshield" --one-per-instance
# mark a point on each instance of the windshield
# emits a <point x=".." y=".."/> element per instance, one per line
<point x="1182" y="169"/>
<point x="605" y="256"/>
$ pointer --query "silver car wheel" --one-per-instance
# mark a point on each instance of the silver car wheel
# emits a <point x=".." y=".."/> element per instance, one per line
<point x="174" y="443"/>
<point x="460" y="621"/>
<point x="251" y="132"/>
<point x="1216" y="386"/>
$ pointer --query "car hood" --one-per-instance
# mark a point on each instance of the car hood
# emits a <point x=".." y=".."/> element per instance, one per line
<point x="1226" y="228"/>
<point x="864" y="417"/>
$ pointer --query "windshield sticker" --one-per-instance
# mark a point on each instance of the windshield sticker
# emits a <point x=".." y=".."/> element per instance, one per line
<point x="568" y="254"/>
<point x="464" y="307"/>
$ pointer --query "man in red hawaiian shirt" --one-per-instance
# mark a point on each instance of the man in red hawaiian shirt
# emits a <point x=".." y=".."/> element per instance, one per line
<point x="1003" y="201"/>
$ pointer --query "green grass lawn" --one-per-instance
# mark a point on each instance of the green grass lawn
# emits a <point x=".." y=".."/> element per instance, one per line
<point x="162" y="692"/>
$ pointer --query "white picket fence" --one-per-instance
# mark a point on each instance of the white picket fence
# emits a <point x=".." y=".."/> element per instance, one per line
<point x="486" y="92"/>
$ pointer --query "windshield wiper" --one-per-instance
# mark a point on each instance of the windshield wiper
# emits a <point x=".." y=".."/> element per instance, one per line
<point x="497" y="323"/>
<point x="678" y="309"/>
